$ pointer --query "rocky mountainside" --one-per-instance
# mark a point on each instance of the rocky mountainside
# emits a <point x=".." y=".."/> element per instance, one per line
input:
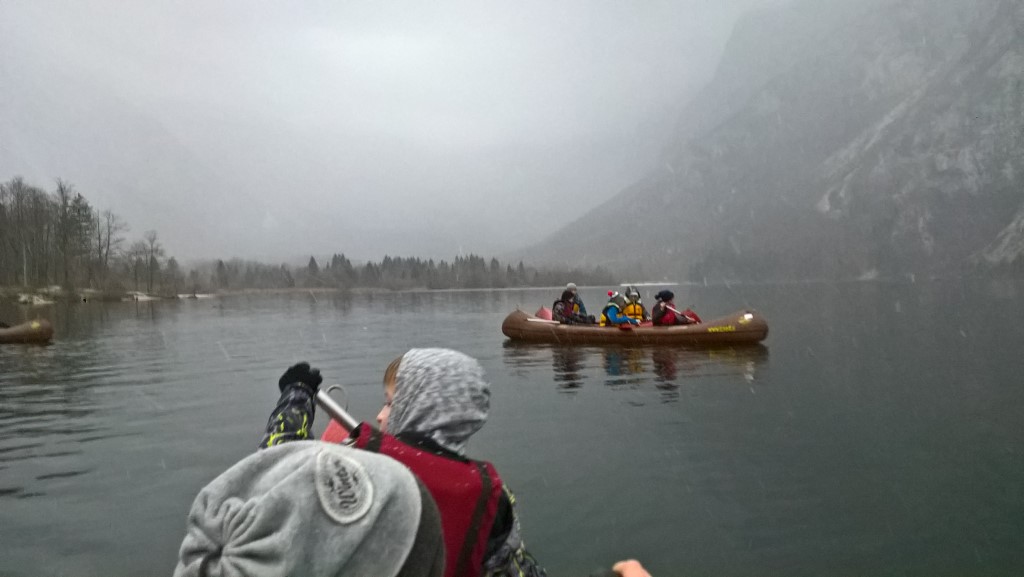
<point x="839" y="139"/>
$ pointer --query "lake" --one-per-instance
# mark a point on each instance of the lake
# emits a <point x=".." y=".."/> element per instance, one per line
<point x="877" y="431"/>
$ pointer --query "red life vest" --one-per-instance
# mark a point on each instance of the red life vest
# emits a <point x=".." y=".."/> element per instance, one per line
<point x="466" y="492"/>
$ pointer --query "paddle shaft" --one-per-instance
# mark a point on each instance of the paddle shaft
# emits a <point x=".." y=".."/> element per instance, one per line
<point x="332" y="408"/>
<point x="681" y="314"/>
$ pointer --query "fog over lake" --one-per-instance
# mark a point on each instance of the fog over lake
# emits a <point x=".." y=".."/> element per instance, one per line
<point x="196" y="195"/>
<point x="271" y="131"/>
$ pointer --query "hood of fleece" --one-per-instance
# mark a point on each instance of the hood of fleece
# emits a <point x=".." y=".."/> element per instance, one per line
<point x="442" y="394"/>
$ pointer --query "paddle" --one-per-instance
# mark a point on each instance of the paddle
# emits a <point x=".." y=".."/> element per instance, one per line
<point x="332" y="408"/>
<point x="694" y="319"/>
<point x="545" y="321"/>
<point x="628" y="326"/>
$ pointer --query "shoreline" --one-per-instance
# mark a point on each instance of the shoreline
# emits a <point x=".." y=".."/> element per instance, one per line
<point x="87" y="295"/>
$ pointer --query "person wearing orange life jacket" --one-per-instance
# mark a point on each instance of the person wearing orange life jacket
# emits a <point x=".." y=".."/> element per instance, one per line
<point x="634" y="308"/>
<point x="612" y="315"/>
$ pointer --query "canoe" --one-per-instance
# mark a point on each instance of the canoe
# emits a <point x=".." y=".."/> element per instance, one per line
<point x="740" y="327"/>
<point x="37" y="331"/>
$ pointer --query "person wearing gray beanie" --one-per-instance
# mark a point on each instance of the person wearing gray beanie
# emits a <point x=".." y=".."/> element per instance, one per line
<point x="577" y="302"/>
<point x="313" y="509"/>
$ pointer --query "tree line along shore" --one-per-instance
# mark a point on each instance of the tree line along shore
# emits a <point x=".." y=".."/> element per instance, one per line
<point x="57" y="244"/>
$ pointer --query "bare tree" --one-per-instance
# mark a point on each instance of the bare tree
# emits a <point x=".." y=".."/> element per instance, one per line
<point x="63" y="228"/>
<point x="27" y="220"/>
<point x="8" y="255"/>
<point x="57" y="237"/>
<point x="107" y="235"/>
<point x="154" y="251"/>
<point x="135" y="260"/>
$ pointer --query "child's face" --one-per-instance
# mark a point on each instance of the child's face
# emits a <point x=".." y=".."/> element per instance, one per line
<point x="385" y="411"/>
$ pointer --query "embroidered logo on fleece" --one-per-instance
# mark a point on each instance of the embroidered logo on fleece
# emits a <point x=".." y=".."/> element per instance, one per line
<point x="343" y="486"/>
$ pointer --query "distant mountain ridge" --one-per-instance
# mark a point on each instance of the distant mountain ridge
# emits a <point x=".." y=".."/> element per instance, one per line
<point x="838" y="139"/>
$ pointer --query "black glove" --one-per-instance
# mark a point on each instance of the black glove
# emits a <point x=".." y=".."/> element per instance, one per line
<point x="301" y="373"/>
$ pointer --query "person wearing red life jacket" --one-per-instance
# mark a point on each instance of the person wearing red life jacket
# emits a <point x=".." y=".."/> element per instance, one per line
<point x="434" y="401"/>
<point x="665" y="313"/>
<point x="431" y="444"/>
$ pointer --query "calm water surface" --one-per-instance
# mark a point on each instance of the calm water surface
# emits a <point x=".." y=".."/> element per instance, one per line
<point x="878" y="431"/>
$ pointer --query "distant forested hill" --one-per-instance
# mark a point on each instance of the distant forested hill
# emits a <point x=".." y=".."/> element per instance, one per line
<point x="839" y="139"/>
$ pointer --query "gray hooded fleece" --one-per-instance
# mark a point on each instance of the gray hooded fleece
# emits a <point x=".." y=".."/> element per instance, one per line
<point x="313" y="509"/>
<point x="441" y="394"/>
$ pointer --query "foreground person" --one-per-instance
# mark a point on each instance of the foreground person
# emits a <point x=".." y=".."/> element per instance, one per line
<point x="434" y="401"/>
<point x="292" y="420"/>
<point x="313" y="509"/>
<point x="627" y="568"/>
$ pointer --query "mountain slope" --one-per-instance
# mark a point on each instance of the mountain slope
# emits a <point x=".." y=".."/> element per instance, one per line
<point x="837" y="140"/>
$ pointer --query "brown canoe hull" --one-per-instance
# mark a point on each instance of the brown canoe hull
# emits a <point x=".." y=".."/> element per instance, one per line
<point x="741" y="327"/>
<point x="37" y="331"/>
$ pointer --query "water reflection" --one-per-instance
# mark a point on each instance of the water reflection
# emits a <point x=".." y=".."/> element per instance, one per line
<point x="665" y="365"/>
<point x="56" y="401"/>
<point x="619" y="367"/>
<point x="568" y="367"/>
<point x="622" y="362"/>
<point x="41" y="412"/>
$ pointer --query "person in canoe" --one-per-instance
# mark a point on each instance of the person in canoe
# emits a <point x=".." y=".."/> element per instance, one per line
<point x="612" y="314"/>
<point x="577" y="303"/>
<point x="566" y="311"/>
<point x="665" y="313"/>
<point x="634" y="308"/>
<point x="315" y="509"/>
<point x="435" y="400"/>
<point x="292" y="420"/>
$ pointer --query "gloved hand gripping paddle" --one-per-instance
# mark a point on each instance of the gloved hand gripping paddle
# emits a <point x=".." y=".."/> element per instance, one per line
<point x="311" y="378"/>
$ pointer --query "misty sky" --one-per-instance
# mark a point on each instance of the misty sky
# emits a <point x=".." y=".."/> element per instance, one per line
<point x="271" y="130"/>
